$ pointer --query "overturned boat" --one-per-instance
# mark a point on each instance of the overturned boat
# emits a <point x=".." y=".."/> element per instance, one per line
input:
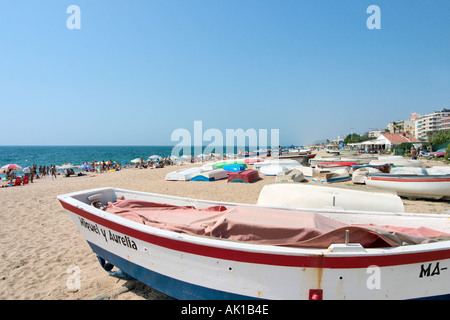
<point x="426" y="186"/>
<point x="195" y="249"/>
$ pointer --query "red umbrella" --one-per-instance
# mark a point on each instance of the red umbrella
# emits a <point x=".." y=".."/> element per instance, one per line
<point x="11" y="166"/>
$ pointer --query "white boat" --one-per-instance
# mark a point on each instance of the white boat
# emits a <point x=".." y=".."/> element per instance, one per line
<point x="318" y="254"/>
<point x="183" y="174"/>
<point x="398" y="162"/>
<point x="408" y="170"/>
<point x="306" y="196"/>
<point x="358" y="160"/>
<point x="283" y="162"/>
<point x="438" y="170"/>
<point x="210" y="175"/>
<point x="359" y="175"/>
<point x="412" y="185"/>
<point x="276" y="169"/>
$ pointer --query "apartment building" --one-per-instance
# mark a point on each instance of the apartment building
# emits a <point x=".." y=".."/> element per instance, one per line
<point x="430" y="122"/>
<point x="445" y="123"/>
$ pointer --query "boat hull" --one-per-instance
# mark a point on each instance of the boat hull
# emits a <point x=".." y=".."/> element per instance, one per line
<point x="191" y="267"/>
<point x="411" y="185"/>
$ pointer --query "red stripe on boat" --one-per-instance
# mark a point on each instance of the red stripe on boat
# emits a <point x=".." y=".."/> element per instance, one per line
<point x="303" y="261"/>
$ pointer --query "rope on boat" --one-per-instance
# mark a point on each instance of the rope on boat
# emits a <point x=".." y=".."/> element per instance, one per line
<point x="108" y="267"/>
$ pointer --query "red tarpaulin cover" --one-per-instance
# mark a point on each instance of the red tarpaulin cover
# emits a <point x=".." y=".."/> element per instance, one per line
<point x="248" y="176"/>
<point x="266" y="225"/>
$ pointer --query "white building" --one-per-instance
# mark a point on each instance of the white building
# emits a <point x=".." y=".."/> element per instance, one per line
<point x="445" y="123"/>
<point x="430" y="122"/>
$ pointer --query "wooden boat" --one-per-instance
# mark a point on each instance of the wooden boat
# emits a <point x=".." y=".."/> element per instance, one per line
<point x="335" y="164"/>
<point x="183" y="174"/>
<point x="211" y="175"/>
<point x="358" y="161"/>
<point x="335" y="175"/>
<point x="412" y="185"/>
<point x="300" y="158"/>
<point x="290" y="175"/>
<point x="385" y="168"/>
<point x="306" y="196"/>
<point x="317" y="254"/>
<point x="246" y="176"/>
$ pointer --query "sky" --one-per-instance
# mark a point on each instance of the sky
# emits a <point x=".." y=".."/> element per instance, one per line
<point x="136" y="71"/>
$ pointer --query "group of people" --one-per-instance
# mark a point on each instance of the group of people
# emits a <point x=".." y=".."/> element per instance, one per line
<point x="35" y="172"/>
<point x="30" y="173"/>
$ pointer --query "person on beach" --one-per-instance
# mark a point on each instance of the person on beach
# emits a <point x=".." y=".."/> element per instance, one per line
<point x="279" y="151"/>
<point x="413" y="153"/>
<point x="53" y="172"/>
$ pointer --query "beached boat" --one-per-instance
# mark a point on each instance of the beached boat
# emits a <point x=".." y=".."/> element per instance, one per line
<point x="211" y="175"/>
<point x="290" y="175"/>
<point x="286" y="162"/>
<point x="253" y="160"/>
<point x="412" y="185"/>
<point x="307" y="196"/>
<point x="335" y="164"/>
<point x="385" y="168"/>
<point x="272" y="169"/>
<point x="183" y="174"/>
<point x="246" y="176"/>
<point x="223" y="163"/>
<point x="397" y="162"/>
<point x="313" y="254"/>
<point x="234" y="167"/>
<point x="334" y="175"/>
<point x="359" y="175"/>
<point x="358" y="161"/>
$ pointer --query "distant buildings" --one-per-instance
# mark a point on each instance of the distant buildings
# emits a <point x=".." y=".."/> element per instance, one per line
<point x="419" y="125"/>
<point x="430" y="122"/>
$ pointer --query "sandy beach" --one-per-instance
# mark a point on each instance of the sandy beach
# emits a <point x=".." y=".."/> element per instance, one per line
<point x="41" y="245"/>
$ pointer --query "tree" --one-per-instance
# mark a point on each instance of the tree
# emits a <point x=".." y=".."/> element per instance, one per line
<point x="440" y="137"/>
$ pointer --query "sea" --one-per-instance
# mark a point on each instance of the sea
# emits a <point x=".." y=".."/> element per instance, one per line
<point x="76" y="155"/>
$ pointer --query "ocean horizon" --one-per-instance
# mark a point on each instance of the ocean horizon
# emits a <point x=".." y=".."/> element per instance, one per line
<point x="76" y="155"/>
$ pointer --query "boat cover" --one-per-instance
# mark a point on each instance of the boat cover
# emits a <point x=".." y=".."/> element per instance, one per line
<point x="266" y="225"/>
<point x="246" y="176"/>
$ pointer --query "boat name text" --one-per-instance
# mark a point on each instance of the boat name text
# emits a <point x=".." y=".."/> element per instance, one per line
<point x="108" y="236"/>
<point x="430" y="271"/>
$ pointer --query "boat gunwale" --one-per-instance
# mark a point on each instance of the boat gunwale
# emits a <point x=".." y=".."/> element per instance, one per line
<point x="250" y="252"/>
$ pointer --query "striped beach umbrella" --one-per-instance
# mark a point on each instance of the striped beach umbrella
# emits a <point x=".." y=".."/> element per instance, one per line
<point x="11" y="166"/>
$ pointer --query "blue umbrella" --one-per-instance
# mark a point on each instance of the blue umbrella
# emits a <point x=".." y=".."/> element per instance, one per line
<point x="86" y="166"/>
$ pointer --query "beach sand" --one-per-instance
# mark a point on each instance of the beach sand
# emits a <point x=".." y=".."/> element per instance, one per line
<point x="41" y="247"/>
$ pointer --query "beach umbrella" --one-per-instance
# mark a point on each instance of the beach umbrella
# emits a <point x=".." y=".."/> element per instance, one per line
<point x="11" y="166"/>
<point x="67" y="166"/>
<point x="85" y="166"/>
<point x="137" y="160"/>
<point x="154" y="157"/>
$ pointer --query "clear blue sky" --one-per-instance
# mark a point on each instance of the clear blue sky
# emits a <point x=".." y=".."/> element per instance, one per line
<point x="137" y="70"/>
